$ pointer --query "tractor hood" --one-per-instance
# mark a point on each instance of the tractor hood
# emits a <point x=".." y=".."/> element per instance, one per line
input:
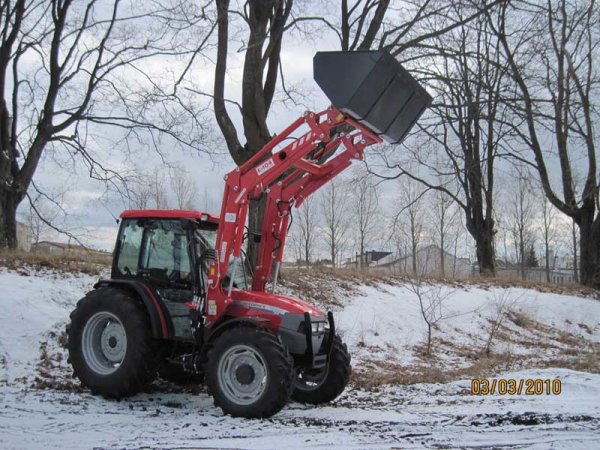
<point x="273" y="303"/>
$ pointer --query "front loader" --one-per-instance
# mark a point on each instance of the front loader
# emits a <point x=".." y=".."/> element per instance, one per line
<point x="183" y="303"/>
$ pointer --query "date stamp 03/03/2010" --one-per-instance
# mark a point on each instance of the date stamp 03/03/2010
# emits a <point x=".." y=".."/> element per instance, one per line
<point x="512" y="386"/>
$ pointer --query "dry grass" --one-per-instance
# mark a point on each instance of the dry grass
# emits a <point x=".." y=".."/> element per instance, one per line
<point x="350" y="279"/>
<point x="51" y="371"/>
<point x="91" y="264"/>
<point x="374" y="374"/>
<point x="391" y="373"/>
<point x="324" y="285"/>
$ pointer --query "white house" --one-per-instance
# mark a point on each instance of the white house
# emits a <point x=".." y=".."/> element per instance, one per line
<point x="429" y="263"/>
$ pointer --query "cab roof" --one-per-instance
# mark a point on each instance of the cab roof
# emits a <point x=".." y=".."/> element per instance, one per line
<point x="168" y="214"/>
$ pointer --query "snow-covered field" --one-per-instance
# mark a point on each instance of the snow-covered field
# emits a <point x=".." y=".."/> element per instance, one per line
<point x="380" y="322"/>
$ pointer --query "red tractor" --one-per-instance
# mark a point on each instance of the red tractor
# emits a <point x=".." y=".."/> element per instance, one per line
<point x="182" y="302"/>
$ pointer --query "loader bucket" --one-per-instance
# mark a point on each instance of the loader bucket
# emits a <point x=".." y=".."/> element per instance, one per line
<point x="372" y="87"/>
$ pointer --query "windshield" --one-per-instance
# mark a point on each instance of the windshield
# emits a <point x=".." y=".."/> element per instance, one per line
<point x="240" y="278"/>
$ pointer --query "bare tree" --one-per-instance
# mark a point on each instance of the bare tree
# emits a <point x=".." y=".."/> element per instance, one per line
<point x="148" y="191"/>
<point x="431" y="298"/>
<point x="548" y="231"/>
<point x="334" y="211"/>
<point x="503" y="302"/>
<point x="306" y="221"/>
<point x="551" y="49"/>
<point x="43" y="210"/>
<point x="184" y="188"/>
<point x="158" y="192"/>
<point x="520" y="218"/>
<point x="65" y="70"/>
<point x="466" y="126"/>
<point x="410" y="219"/>
<point x="365" y="212"/>
<point x="264" y="24"/>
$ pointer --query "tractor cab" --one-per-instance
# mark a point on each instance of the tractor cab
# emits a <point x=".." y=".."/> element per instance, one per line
<point x="168" y="251"/>
<point x="167" y="248"/>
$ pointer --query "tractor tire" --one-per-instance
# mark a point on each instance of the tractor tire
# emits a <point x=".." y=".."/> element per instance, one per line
<point x="110" y="344"/>
<point x="322" y="386"/>
<point x="249" y="373"/>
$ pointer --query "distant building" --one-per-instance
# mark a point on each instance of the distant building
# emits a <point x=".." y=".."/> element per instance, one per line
<point x="367" y="259"/>
<point x="561" y="270"/>
<point x="429" y="263"/>
<point x="23" y="237"/>
<point x="59" y="249"/>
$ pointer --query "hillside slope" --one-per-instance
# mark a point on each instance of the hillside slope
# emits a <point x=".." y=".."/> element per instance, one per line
<point x="44" y="408"/>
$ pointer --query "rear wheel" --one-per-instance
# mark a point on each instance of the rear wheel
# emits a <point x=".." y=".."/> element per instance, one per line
<point x="110" y="344"/>
<point x="249" y="373"/>
<point x="324" y="385"/>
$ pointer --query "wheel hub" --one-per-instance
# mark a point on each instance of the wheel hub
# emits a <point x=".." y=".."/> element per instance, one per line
<point x="245" y="374"/>
<point x="104" y="343"/>
<point x="242" y="374"/>
<point x="113" y="342"/>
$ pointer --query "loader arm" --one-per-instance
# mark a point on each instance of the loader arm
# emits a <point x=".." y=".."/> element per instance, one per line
<point x="374" y="99"/>
<point x="287" y="175"/>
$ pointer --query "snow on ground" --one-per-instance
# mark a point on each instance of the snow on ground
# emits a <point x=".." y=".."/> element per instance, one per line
<point x="379" y="321"/>
<point x="384" y="321"/>
<point x="31" y="305"/>
<point x="426" y="415"/>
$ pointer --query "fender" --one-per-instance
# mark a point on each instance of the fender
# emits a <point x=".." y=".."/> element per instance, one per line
<point x="159" y="316"/>
<point x="226" y="322"/>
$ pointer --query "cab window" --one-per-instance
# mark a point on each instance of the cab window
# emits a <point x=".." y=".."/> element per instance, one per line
<point x="165" y="256"/>
<point x="130" y="243"/>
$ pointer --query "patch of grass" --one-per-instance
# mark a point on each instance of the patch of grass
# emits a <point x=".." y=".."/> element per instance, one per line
<point x="51" y="374"/>
<point x="22" y="262"/>
<point x="315" y="283"/>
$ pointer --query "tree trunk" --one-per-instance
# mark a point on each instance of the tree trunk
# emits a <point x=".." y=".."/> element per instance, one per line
<point x="547" y="248"/>
<point x="428" y="339"/>
<point x="256" y="211"/>
<point x="485" y="254"/>
<point x="333" y="255"/>
<point x="8" y="220"/>
<point x="483" y="234"/>
<point x="574" y="236"/>
<point x="442" y="256"/>
<point x="414" y="260"/>
<point x="523" y="258"/>
<point x="589" y="250"/>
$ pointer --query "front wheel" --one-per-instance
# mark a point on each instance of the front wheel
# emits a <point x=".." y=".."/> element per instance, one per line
<point x="317" y="386"/>
<point x="249" y="373"/>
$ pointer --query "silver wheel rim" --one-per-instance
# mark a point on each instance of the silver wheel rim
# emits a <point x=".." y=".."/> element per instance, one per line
<point x="242" y="374"/>
<point x="104" y="343"/>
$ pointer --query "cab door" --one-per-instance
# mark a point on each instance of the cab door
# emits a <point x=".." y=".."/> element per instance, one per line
<point x="166" y="264"/>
